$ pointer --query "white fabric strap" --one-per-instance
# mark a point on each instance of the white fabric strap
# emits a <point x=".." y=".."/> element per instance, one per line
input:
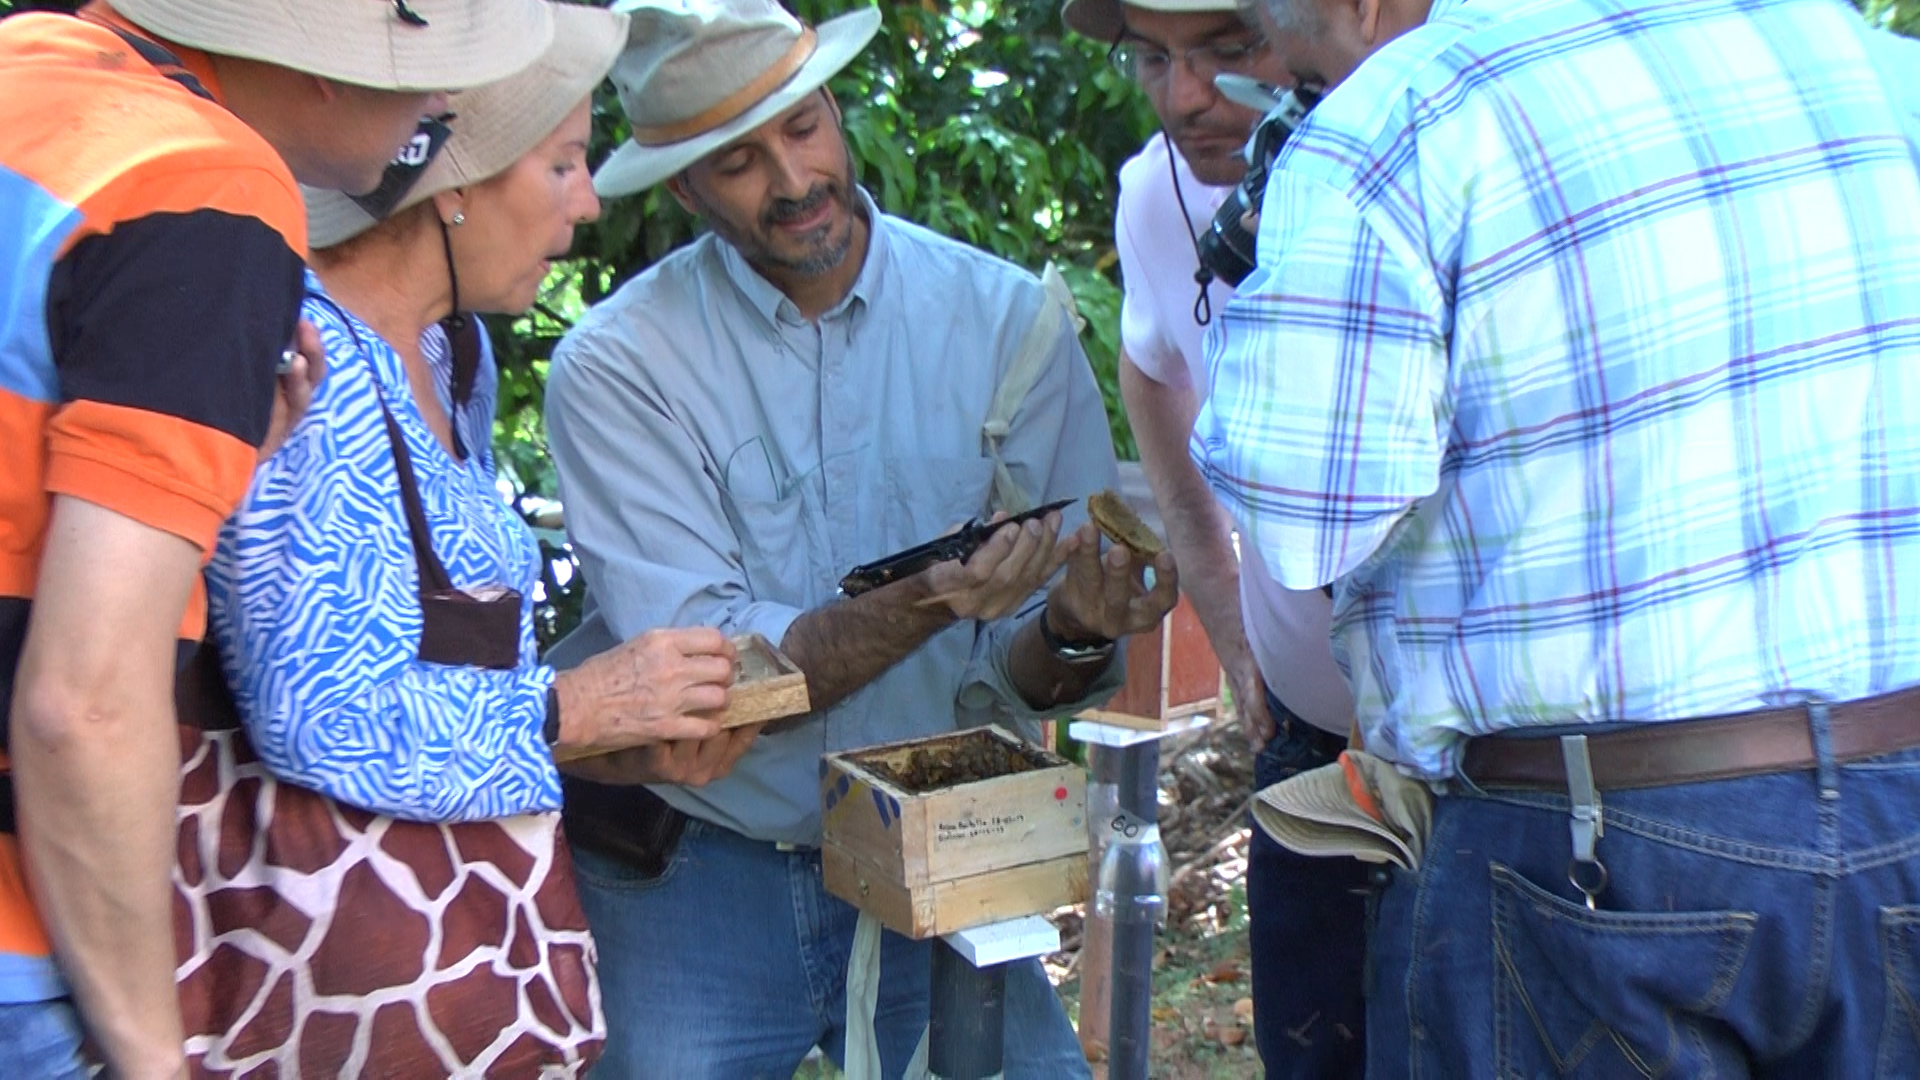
<point x="863" y="996"/>
<point x="1021" y="374"/>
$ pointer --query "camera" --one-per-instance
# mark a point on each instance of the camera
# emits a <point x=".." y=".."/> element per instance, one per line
<point x="1226" y="248"/>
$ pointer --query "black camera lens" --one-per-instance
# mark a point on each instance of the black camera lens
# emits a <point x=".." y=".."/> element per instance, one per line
<point x="1226" y="248"/>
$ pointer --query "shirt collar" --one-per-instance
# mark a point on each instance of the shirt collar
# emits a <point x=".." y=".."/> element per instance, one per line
<point x="1443" y="8"/>
<point x="772" y="304"/>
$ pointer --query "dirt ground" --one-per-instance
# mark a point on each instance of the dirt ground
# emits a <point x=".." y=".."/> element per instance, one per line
<point x="1202" y="1015"/>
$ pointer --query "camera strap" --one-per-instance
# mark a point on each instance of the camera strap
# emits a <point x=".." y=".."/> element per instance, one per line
<point x="1203" y="277"/>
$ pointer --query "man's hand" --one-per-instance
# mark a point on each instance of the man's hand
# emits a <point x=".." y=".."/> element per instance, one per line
<point x="1250" y="701"/>
<point x="1106" y="596"/>
<point x="296" y="386"/>
<point x="646" y="691"/>
<point x="1003" y="573"/>
<point x="687" y="762"/>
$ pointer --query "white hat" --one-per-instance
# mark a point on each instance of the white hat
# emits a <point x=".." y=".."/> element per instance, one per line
<point x="384" y="44"/>
<point x="1103" y="20"/>
<point x="495" y="125"/>
<point x="699" y="74"/>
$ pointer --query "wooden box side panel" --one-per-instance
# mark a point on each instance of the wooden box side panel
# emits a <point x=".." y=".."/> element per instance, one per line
<point x="1192" y="671"/>
<point x="948" y="906"/>
<point x="1140" y="694"/>
<point x="872" y="820"/>
<point x="877" y="893"/>
<point x="767" y="686"/>
<point x="1006" y="821"/>
<point x="1012" y="893"/>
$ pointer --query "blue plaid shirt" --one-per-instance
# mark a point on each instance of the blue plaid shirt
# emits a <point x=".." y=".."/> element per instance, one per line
<point x="1584" y="354"/>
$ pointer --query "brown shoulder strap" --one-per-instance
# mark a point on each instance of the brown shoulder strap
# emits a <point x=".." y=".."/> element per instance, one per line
<point x="433" y="573"/>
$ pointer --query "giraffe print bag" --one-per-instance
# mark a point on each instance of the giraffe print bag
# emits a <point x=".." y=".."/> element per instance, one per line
<point x="317" y="939"/>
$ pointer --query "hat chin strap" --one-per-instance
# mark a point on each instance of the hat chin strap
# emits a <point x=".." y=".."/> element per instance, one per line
<point x="735" y="104"/>
<point x="463" y="346"/>
<point x="457" y="319"/>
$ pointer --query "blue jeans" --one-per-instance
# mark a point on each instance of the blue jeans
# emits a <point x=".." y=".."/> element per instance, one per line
<point x="1306" y="929"/>
<point x="1766" y="926"/>
<point x="732" y="963"/>
<point x="40" y="1040"/>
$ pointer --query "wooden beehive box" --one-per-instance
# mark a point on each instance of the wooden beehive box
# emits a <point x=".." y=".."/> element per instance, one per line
<point x="1171" y="674"/>
<point x="928" y="858"/>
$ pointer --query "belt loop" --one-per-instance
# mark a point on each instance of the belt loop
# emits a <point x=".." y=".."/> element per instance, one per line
<point x="1820" y="725"/>
<point x="1587" y="826"/>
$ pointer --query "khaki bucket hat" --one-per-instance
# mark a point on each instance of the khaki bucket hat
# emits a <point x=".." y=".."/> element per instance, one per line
<point x="384" y="44"/>
<point x="495" y="125"/>
<point x="1359" y="806"/>
<point x="701" y="73"/>
<point x="1103" y="20"/>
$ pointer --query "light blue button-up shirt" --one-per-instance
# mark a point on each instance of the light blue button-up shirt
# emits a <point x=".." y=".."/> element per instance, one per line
<point x="724" y="462"/>
<point x="1584" y="352"/>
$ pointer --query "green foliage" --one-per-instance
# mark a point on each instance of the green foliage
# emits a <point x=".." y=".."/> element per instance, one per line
<point x="1900" y="16"/>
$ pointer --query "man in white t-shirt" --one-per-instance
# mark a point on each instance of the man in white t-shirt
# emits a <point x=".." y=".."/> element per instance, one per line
<point x="1307" y="915"/>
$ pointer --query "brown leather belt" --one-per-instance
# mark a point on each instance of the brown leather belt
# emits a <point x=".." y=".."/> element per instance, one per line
<point x="1712" y="748"/>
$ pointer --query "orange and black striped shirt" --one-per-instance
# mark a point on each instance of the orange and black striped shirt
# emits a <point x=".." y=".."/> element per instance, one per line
<point x="150" y="276"/>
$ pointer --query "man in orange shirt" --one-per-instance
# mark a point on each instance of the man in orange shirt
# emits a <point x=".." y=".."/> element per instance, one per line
<point x="151" y="243"/>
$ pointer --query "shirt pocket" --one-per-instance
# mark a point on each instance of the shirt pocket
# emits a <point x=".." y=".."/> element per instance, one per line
<point x="776" y="545"/>
<point x="927" y="496"/>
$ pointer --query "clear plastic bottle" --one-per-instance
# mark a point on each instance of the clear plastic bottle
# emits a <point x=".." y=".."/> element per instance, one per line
<point x="1132" y="892"/>
<point x="1132" y="883"/>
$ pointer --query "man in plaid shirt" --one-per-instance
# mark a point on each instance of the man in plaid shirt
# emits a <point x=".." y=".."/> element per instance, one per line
<point x="1583" y="360"/>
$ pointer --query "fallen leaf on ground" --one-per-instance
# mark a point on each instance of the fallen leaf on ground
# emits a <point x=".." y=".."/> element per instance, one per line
<point x="1243" y="1010"/>
<point x="1233" y="1036"/>
<point x="1224" y="972"/>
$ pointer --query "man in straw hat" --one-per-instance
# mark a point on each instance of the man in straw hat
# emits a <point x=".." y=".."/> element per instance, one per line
<point x="803" y="390"/>
<point x="1306" y="916"/>
<point x="148" y="157"/>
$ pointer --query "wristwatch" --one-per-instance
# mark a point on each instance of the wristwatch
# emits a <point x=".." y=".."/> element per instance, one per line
<point x="550" y="730"/>
<point x="1077" y="653"/>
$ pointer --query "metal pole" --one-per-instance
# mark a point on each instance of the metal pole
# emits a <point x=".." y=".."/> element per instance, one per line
<point x="1096" y="937"/>
<point x="969" y="1007"/>
<point x="1133" y="891"/>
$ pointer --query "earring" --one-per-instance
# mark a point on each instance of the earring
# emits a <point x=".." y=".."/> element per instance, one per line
<point x="459" y="218"/>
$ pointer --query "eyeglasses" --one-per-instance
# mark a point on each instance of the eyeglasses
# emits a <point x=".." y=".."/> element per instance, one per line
<point x="1150" y="64"/>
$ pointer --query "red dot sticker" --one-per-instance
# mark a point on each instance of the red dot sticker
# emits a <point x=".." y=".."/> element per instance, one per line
<point x="1059" y="794"/>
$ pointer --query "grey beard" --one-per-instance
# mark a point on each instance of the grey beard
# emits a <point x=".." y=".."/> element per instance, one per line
<point x="824" y="260"/>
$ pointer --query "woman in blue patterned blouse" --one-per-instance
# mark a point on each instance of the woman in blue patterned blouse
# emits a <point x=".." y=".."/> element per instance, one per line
<point x="332" y="628"/>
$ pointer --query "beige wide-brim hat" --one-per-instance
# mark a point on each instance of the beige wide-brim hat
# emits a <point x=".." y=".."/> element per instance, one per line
<point x="495" y="125"/>
<point x="1103" y="20"/>
<point x="701" y="73"/>
<point x="417" y="45"/>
